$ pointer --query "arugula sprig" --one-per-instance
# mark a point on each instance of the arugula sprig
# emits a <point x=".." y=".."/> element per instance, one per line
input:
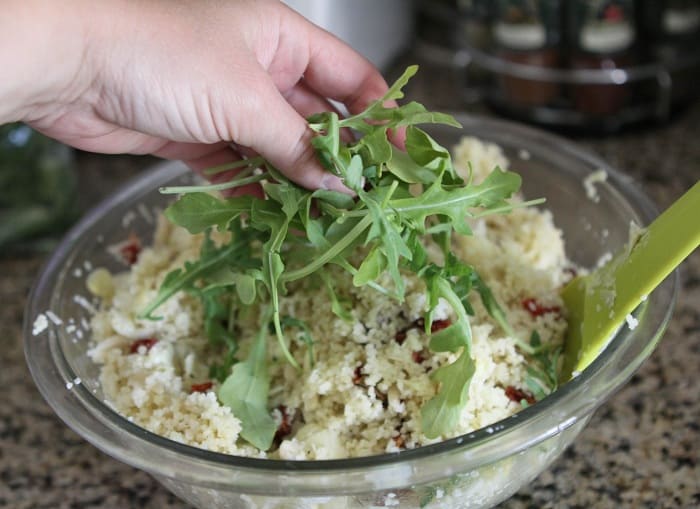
<point x="542" y="374"/>
<point x="245" y="392"/>
<point x="400" y="197"/>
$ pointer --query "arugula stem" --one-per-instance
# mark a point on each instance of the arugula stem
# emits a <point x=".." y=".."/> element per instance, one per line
<point x="252" y="161"/>
<point x="447" y="293"/>
<point x="328" y="255"/>
<point x="280" y="337"/>
<point x="231" y="315"/>
<point x="412" y="205"/>
<point x="507" y="208"/>
<point x="191" y="276"/>
<point x="231" y="184"/>
<point x="372" y="284"/>
<point x="525" y="348"/>
<point x="390" y="193"/>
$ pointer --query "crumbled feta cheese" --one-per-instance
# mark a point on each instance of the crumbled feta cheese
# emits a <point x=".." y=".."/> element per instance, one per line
<point x="145" y="213"/>
<point x="590" y="181"/>
<point x="41" y="323"/>
<point x="390" y="500"/>
<point x="128" y="218"/>
<point x="53" y="318"/>
<point x="84" y="303"/>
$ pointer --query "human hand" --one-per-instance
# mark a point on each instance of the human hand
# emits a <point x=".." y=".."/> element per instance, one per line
<point x="200" y="81"/>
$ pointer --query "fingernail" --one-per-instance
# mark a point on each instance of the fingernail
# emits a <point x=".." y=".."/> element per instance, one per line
<point x="331" y="182"/>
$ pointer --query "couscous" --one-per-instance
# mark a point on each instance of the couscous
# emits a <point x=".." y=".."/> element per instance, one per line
<point x="361" y="391"/>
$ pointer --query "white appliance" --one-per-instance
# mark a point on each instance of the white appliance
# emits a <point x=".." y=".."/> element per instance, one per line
<point x="379" y="29"/>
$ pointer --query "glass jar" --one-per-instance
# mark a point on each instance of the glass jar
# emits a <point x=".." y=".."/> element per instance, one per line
<point x="527" y="32"/>
<point x="38" y="189"/>
<point x="671" y="31"/>
<point x="603" y="37"/>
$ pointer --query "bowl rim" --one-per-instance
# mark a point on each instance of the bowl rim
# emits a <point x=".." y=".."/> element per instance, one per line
<point x="101" y="425"/>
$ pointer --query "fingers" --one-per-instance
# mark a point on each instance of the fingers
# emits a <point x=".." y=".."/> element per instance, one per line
<point x="201" y="157"/>
<point x="274" y="129"/>
<point x="307" y="102"/>
<point x="192" y="153"/>
<point x="337" y="71"/>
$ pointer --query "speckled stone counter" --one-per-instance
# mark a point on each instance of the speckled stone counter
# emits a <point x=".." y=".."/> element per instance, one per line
<point x="639" y="450"/>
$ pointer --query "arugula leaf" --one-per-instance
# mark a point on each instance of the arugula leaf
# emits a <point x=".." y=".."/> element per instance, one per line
<point x="265" y="216"/>
<point x="338" y="307"/>
<point x="374" y="110"/>
<point x="391" y="243"/>
<point x="456" y="203"/>
<point x="198" y="212"/>
<point x="441" y="414"/>
<point x="542" y="375"/>
<point x="244" y="284"/>
<point x="245" y="392"/>
<point x="402" y="166"/>
<point x="210" y="262"/>
<point x="426" y="152"/>
<point x="305" y="333"/>
<point x="491" y="304"/>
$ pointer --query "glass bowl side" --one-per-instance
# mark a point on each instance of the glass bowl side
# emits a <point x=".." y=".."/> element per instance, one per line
<point x="552" y="168"/>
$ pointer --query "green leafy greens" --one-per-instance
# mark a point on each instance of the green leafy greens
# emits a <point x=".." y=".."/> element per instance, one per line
<point x="293" y="233"/>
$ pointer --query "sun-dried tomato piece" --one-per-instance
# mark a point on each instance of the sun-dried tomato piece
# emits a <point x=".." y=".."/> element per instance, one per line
<point x="145" y="342"/>
<point x="357" y="375"/>
<point x="533" y="306"/>
<point x="571" y="273"/>
<point x="517" y="395"/>
<point x="417" y="357"/>
<point x="438" y="325"/>
<point x="419" y="323"/>
<point x="400" y="336"/>
<point x="382" y="396"/>
<point x="130" y="249"/>
<point x="285" y="426"/>
<point x="203" y="387"/>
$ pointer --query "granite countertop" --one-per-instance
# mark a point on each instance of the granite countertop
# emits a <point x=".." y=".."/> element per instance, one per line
<point x="639" y="450"/>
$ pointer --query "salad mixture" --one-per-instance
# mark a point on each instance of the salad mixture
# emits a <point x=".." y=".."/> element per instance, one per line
<point x="319" y="325"/>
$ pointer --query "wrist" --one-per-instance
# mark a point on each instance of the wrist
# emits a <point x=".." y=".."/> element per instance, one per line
<point x="45" y="58"/>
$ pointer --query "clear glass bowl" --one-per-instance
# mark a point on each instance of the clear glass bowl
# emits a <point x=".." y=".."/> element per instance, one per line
<point x="475" y="470"/>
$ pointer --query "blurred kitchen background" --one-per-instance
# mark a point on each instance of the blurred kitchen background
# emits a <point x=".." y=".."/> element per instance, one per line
<point x="582" y="67"/>
<point x="594" y="65"/>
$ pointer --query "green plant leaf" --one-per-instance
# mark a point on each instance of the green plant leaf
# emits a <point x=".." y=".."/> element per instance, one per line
<point x="440" y="415"/>
<point x="371" y="268"/>
<point x="197" y="212"/>
<point x="245" y="393"/>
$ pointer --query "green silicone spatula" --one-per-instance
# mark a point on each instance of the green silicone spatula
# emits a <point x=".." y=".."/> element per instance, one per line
<point x="600" y="302"/>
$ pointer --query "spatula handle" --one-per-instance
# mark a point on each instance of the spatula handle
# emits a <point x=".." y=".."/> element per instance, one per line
<point x="669" y="239"/>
